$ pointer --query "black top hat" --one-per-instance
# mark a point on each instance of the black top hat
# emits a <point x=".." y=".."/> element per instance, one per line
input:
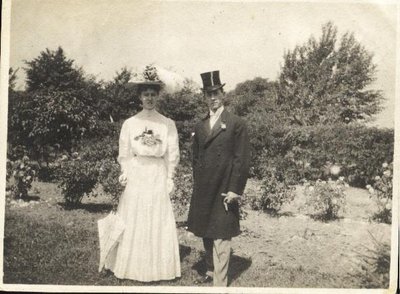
<point x="211" y="81"/>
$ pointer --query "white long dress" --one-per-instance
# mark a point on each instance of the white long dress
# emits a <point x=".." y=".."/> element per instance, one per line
<point x="148" y="154"/>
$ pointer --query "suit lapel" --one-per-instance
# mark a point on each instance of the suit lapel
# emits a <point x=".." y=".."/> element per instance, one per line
<point x="206" y="126"/>
<point x="216" y="130"/>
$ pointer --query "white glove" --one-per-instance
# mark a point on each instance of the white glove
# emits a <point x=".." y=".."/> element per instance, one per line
<point x="123" y="179"/>
<point x="170" y="185"/>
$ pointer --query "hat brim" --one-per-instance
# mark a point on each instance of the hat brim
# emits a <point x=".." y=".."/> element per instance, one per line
<point x="147" y="83"/>
<point x="212" y="88"/>
<point x="133" y="85"/>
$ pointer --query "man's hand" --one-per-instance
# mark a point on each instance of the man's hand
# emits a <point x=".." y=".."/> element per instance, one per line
<point x="123" y="180"/>
<point x="231" y="197"/>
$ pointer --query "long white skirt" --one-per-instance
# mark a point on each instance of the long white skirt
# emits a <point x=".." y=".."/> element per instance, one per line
<point x="149" y="249"/>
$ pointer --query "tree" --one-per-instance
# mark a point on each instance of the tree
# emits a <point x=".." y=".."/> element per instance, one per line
<point x="119" y="100"/>
<point x="58" y="107"/>
<point x="183" y="105"/>
<point x="51" y="70"/>
<point x="252" y="95"/>
<point x="325" y="82"/>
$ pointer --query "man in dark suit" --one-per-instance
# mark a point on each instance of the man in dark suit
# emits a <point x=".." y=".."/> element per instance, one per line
<point x="220" y="169"/>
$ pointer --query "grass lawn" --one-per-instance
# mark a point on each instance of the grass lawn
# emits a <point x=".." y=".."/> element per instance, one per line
<point x="46" y="244"/>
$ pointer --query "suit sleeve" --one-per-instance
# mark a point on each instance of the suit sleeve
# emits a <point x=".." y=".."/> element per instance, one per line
<point x="195" y="148"/>
<point x="241" y="159"/>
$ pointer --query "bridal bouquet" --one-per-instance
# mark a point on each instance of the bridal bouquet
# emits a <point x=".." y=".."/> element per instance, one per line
<point x="148" y="138"/>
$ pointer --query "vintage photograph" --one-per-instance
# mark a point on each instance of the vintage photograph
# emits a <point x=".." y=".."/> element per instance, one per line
<point x="199" y="146"/>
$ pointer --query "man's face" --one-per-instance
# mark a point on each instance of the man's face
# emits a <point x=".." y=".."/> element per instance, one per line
<point x="214" y="99"/>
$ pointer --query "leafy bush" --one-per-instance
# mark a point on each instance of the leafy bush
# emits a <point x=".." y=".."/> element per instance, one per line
<point x="182" y="193"/>
<point x="47" y="172"/>
<point x="275" y="193"/>
<point x="21" y="174"/>
<point x="382" y="192"/>
<point x="307" y="152"/>
<point x="109" y="173"/>
<point x="184" y="105"/>
<point x="252" y="95"/>
<point x="326" y="198"/>
<point x="103" y="129"/>
<point x="98" y="149"/>
<point x="267" y="138"/>
<point x="76" y="178"/>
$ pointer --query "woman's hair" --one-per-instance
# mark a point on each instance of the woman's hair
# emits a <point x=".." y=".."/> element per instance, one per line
<point x="143" y="87"/>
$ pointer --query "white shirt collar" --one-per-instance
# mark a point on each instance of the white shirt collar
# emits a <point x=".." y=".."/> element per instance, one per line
<point x="218" y="112"/>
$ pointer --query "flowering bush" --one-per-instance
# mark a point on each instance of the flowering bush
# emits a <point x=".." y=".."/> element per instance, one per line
<point x="303" y="152"/>
<point x="381" y="190"/>
<point x="326" y="198"/>
<point x="76" y="178"/>
<point x="275" y="193"/>
<point x="21" y="174"/>
<point x="182" y="193"/>
<point x="109" y="173"/>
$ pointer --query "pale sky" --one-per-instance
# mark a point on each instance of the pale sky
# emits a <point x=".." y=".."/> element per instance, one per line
<point x="242" y="40"/>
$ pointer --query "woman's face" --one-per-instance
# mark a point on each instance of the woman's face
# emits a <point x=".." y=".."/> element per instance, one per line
<point x="149" y="98"/>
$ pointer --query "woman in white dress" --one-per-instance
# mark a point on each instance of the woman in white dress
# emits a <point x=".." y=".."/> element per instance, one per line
<point x="148" y="154"/>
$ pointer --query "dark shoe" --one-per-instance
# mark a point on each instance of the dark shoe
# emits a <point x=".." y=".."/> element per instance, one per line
<point x="203" y="279"/>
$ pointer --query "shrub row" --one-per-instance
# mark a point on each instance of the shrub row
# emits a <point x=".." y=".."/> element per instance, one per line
<point x="309" y="152"/>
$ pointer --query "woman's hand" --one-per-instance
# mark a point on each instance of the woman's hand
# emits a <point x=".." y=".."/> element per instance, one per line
<point x="123" y="179"/>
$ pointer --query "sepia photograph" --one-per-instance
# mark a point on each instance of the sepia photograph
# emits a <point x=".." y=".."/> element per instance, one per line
<point x="199" y="146"/>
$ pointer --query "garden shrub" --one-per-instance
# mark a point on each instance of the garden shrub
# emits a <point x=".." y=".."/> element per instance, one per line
<point x="104" y="129"/>
<point x="358" y="150"/>
<point x="57" y="118"/>
<point x="307" y="152"/>
<point x="266" y="135"/>
<point x="76" y="178"/>
<point x="382" y="192"/>
<point x="326" y="199"/>
<point x="275" y="193"/>
<point x="98" y="149"/>
<point x="184" y="105"/>
<point x="182" y="193"/>
<point x="20" y="175"/>
<point x="109" y="172"/>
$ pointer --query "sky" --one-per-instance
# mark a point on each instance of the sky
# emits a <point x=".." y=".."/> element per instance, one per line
<point x="243" y="40"/>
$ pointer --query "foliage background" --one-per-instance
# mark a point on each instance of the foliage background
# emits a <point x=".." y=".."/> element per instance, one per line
<point x="311" y="118"/>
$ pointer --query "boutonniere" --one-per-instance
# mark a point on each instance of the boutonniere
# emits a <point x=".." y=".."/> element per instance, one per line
<point x="223" y="126"/>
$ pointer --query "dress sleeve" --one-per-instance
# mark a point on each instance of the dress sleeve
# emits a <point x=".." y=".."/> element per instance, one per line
<point x="124" y="147"/>
<point x="172" y="152"/>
